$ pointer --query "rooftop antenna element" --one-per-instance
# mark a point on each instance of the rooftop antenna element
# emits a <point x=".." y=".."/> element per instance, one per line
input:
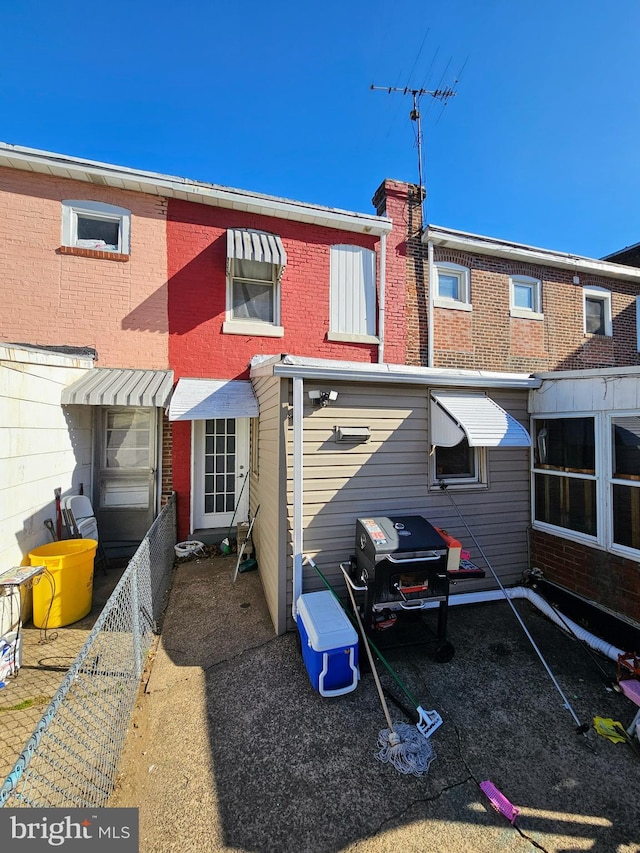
<point x="414" y="115"/>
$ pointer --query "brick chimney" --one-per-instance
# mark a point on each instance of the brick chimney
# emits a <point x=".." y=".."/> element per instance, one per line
<point x="400" y="202"/>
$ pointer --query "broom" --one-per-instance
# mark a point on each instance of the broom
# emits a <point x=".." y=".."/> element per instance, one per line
<point x="225" y="545"/>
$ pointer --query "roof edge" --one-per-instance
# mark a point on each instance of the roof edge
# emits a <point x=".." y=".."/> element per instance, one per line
<point x="287" y="366"/>
<point x="483" y="245"/>
<point x="19" y="157"/>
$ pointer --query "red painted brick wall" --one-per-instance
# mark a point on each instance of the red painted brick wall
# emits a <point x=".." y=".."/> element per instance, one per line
<point x="196" y="261"/>
<point x="605" y="578"/>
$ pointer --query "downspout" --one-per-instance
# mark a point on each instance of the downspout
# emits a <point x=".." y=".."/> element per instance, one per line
<point x="431" y="271"/>
<point x="298" y="495"/>
<point x="381" y="303"/>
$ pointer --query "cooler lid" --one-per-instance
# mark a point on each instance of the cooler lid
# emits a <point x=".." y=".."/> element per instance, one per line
<point x="400" y="534"/>
<point x="325" y="622"/>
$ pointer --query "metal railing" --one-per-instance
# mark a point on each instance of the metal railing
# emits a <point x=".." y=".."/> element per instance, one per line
<point x="71" y="759"/>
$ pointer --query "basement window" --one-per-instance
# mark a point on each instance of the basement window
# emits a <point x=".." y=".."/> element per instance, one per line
<point x="94" y="226"/>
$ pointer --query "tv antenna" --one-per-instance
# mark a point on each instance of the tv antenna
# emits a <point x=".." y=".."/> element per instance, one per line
<point x="438" y="95"/>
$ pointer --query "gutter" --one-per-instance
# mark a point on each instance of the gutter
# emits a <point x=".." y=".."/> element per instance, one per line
<point x="298" y="492"/>
<point x="430" y="323"/>
<point x="481" y="245"/>
<point x="382" y="296"/>
<point x="154" y="183"/>
<point x="292" y="366"/>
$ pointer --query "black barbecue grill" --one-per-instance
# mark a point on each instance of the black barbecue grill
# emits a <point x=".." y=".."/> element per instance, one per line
<point x="401" y="566"/>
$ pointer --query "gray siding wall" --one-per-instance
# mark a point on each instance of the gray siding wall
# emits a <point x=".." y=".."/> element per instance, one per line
<point x="389" y="475"/>
<point x="267" y="489"/>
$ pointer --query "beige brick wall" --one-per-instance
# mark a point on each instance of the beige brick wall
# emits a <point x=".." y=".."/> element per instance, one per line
<point x="118" y="306"/>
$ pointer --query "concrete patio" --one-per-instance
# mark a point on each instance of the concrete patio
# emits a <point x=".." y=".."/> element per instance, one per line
<point x="233" y="750"/>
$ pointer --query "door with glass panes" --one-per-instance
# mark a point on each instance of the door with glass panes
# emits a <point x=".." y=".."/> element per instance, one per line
<point x="221" y="458"/>
<point x="125" y="486"/>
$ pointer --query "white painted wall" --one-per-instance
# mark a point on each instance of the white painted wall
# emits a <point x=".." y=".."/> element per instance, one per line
<point x="42" y="447"/>
<point x="616" y="389"/>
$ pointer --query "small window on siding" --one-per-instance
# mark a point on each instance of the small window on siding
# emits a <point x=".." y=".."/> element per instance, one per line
<point x="352" y="294"/>
<point x="94" y="225"/>
<point x="460" y="465"/>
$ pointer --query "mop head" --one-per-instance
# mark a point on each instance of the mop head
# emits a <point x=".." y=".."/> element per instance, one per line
<point x="406" y="749"/>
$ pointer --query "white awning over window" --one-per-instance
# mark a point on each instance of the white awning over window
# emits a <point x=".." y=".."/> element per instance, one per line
<point x="245" y="244"/>
<point x="201" y="399"/>
<point x="465" y="414"/>
<point x="110" y="386"/>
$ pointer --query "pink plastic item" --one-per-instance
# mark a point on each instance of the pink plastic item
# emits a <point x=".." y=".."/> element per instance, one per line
<point x="499" y="801"/>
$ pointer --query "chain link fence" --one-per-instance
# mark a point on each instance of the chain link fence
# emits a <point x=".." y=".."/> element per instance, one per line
<point x="71" y="759"/>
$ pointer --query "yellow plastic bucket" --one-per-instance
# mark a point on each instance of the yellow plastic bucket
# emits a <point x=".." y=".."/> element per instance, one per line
<point x="64" y="592"/>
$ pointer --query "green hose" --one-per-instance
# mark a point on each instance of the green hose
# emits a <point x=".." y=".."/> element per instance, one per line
<point x="378" y="653"/>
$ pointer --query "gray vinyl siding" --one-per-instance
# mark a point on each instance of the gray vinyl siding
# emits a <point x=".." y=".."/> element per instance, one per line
<point x="389" y="475"/>
<point x="267" y="490"/>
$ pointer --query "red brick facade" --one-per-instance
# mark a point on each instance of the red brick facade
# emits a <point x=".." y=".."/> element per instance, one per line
<point x="606" y="578"/>
<point x="488" y="338"/>
<point x="198" y="347"/>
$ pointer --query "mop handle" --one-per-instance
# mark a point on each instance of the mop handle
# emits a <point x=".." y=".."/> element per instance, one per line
<point x="374" y="672"/>
<point x="370" y="642"/>
<point x="567" y="704"/>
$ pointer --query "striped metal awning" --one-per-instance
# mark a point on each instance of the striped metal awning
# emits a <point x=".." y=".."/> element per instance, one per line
<point x="247" y="244"/>
<point x="475" y="416"/>
<point x="201" y="399"/>
<point x="106" y="386"/>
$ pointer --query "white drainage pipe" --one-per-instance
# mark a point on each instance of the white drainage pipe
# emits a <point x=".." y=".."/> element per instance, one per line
<point x="538" y="601"/>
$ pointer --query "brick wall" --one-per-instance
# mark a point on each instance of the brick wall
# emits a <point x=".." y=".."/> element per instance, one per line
<point x="488" y="338"/>
<point x="196" y="252"/>
<point x="49" y="297"/>
<point x="602" y="577"/>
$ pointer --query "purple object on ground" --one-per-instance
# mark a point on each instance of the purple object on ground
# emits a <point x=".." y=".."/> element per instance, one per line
<point x="499" y="801"/>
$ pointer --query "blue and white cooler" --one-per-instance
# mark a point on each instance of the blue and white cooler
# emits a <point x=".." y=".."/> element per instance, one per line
<point x="329" y="644"/>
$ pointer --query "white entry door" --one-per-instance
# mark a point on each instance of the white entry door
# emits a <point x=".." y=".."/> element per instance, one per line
<point x="221" y="468"/>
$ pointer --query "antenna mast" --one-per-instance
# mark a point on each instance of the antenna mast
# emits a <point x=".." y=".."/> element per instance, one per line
<point x="414" y="115"/>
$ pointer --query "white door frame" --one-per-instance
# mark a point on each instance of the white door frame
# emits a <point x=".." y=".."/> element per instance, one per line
<point x="201" y="520"/>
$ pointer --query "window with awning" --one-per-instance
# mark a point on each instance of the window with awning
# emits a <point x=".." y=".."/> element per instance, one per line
<point x="474" y="416"/>
<point x="255" y="264"/>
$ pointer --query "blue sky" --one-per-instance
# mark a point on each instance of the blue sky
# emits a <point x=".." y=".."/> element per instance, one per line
<point x="539" y="145"/>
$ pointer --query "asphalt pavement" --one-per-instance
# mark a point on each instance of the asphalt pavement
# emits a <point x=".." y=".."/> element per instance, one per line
<point x="232" y="749"/>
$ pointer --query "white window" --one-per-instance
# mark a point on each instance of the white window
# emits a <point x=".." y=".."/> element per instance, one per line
<point x="253" y="298"/>
<point x="352" y="294"/>
<point x="597" y="311"/>
<point x="94" y="225"/>
<point x="255" y="264"/>
<point x="452" y="289"/>
<point x="525" y="297"/>
<point x="460" y="465"/>
<point x="565" y="474"/>
<point x="625" y="482"/>
<point x="586" y="479"/>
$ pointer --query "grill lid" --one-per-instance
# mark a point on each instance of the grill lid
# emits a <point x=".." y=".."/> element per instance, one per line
<point x="399" y="534"/>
